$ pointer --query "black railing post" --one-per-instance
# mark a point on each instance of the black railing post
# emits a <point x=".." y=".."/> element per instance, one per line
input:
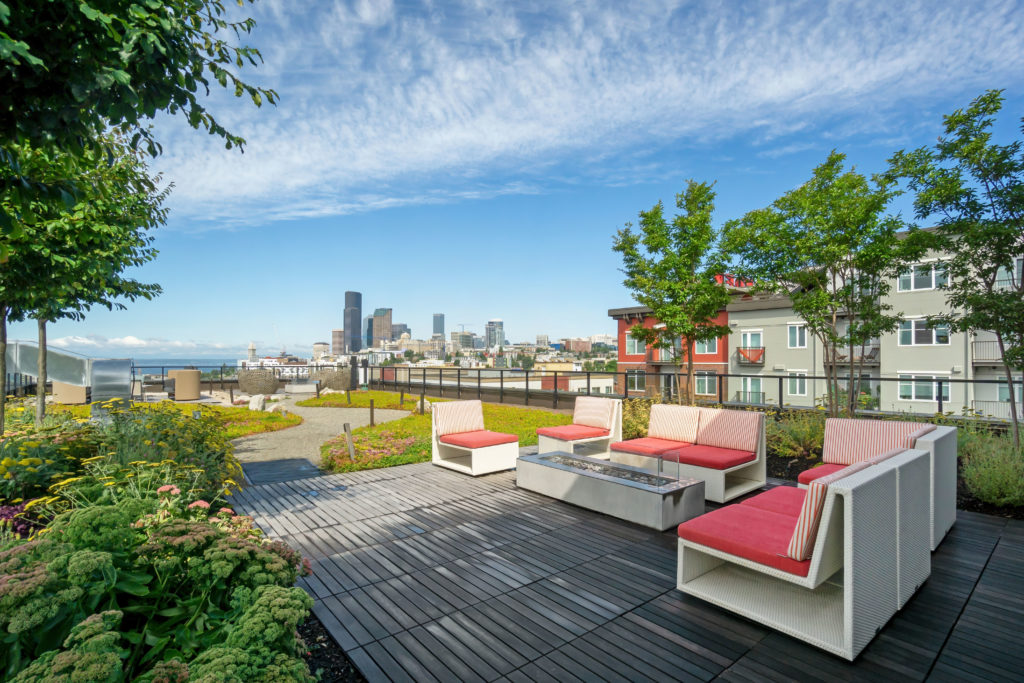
<point x="625" y="384"/>
<point x="501" y="386"/>
<point x="588" y="383"/>
<point x="718" y="381"/>
<point x="528" y="387"/>
<point x="458" y="383"/>
<point x="423" y="381"/>
<point x="780" y="391"/>
<point x="479" y="382"/>
<point x="554" y="397"/>
<point x="440" y="381"/>
<point x="939" y="379"/>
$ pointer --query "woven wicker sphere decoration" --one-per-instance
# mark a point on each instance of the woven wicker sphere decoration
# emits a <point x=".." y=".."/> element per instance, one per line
<point x="333" y="379"/>
<point x="254" y="382"/>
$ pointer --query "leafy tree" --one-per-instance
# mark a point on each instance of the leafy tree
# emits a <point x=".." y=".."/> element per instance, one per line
<point x="831" y="248"/>
<point x="70" y="260"/>
<point x="526" y="362"/>
<point x="671" y="267"/>
<point x="72" y="69"/>
<point x="973" y="188"/>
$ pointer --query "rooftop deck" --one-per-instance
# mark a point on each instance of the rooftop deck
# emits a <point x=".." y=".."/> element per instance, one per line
<point x="424" y="574"/>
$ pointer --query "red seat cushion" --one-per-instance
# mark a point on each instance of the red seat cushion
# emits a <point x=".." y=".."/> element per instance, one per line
<point x="748" y="532"/>
<point x="573" y="432"/>
<point x="807" y="476"/>
<point x="711" y="457"/>
<point x="478" y="439"/>
<point x="648" y="445"/>
<point x="786" y="500"/>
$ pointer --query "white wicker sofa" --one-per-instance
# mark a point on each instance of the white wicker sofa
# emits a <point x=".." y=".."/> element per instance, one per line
<point x="725" y="448"/>
<point x="848" y="441"/>
<point x="460" y="442"/>
<point x="595" y="421"/>
<point x="868" y="553"/>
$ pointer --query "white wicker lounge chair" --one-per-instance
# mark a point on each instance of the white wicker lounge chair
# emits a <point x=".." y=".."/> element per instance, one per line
<point x="460" y="442"/>
<point x="851" y="440"/>
<point x="595" y="421"/>
<point x="867" y="557"/>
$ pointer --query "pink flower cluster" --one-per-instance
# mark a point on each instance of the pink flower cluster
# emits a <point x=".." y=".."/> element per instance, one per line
<point x="199" y="504"/>
<point x="169" y="488"/>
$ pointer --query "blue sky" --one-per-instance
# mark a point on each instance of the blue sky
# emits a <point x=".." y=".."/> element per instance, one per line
<point x="475" y="158"/>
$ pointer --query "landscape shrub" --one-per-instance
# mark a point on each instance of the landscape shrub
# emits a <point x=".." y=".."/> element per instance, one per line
<point x="991" y="470"/>
<point x="361" y="399"/>
<point x="795" y="433"/>
<point x="636" y="413"/>
<point x="154" y="433"/>
<point x="124" y="590"/>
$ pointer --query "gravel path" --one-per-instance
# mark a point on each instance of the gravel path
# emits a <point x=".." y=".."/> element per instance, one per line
<point x="304" y="441"/>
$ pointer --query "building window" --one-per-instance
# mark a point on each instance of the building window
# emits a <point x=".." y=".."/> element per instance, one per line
<point x="923" y="276"/>
<point x="923" y="388"/>
<point x="1008" y="278"/>
<point x="797" y="382"/>
<point x="798" y="336"/>
<point x="636" y="380"/>
<point x="710" y="346"/>
<point x="1004" y="392"/>
<point x="920" y="333"/>
<point x="707" y="383"/>
<point x="608" y="390"/>
<point x="634" y="347"/>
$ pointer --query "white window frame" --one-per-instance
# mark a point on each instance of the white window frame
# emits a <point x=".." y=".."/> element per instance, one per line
<point x="634" y="342"/>
<point x="702" y="377"/>
<point x="1004" y="389"/>
<point x="933" y="265"/>
<point x="914" y="378"/>
<point x="800" y="327"/>
<point x="745" y="383"/>
<point x="1009" y="279"/>
<point x="914" y="328"/>
<point x="793" y="380"/>
<point x="710" y="346"/>
<point x="744" y="333"/>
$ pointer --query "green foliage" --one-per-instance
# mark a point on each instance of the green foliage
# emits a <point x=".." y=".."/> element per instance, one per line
<point x="973" y="190"/>
<point x="154" y="433"/>
<point x="829" y="246"/>
<point x="407" y="440"/>
<point x="672" y="268"/>
<point x="124" y="586"/>
<point x="796" y="433"/>
<point x="29" y="465"/>
<point x="636" y="413"/>
<point x="992" y="469"/>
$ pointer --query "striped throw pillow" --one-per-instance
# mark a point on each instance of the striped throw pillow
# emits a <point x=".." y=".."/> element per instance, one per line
<point x="806" y="531"/>
<point x="456" y="417"/>
<point x="678" y="423"/>
<point x="591" y="411"/>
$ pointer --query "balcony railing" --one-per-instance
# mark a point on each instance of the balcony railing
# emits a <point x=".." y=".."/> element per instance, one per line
<point x="999" y="409"/>
<point x="986" y="352"/>
<point x="754" y="397"/>
<point x="750" y="355"/>
<point x="868" y="355"/>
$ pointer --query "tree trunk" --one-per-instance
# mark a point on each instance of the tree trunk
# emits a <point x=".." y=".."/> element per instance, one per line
<point x="851" y="399"/>
<point x="3" y="364"/>
<point x="41" y="378"/>
<point x="690" y="375"/>
<point x="1013" y="398"/>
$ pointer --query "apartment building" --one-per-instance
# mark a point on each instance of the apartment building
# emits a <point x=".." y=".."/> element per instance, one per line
<point x="909" y="370"/>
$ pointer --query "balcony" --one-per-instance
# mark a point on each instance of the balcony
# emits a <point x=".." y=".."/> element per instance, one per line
<point x="867" y="355"/>
<point x="986" y="352"/>
<point x="750" y="355"/>
<point x="754" y="397"/>
<point x="997" y="409"/>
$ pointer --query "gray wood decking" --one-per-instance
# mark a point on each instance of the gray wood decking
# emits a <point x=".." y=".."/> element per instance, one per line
<point x="424" y="574"/>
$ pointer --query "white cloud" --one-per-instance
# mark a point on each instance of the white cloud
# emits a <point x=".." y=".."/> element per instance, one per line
<point x="97" y="346"/>
<point x="387" y="106"/>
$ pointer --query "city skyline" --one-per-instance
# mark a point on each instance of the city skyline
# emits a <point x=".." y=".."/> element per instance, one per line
<point x="478" y="159"/>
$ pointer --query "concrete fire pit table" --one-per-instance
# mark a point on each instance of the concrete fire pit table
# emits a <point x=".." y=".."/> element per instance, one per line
<point x="622" y="491"/>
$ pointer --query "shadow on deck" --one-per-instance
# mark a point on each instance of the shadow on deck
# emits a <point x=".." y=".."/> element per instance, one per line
<point x="422" y="574"/>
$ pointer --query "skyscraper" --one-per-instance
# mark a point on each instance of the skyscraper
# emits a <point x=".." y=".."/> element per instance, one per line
<point x="368" y="332"/>
<point x="381" y="325"/>
<point x="494" y="334"/>
<point x="542" y="340"/>
<point x="439" y="324"/>
<point x="398" y="329"/>
<point x="338" y="341"/>
<point x="351" y="317"/>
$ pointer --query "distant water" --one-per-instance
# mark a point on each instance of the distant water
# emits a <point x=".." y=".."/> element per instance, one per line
<point x="180" y="362"/>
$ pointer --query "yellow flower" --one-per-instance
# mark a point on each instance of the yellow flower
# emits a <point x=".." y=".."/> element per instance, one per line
<point x="111" y="483"/>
